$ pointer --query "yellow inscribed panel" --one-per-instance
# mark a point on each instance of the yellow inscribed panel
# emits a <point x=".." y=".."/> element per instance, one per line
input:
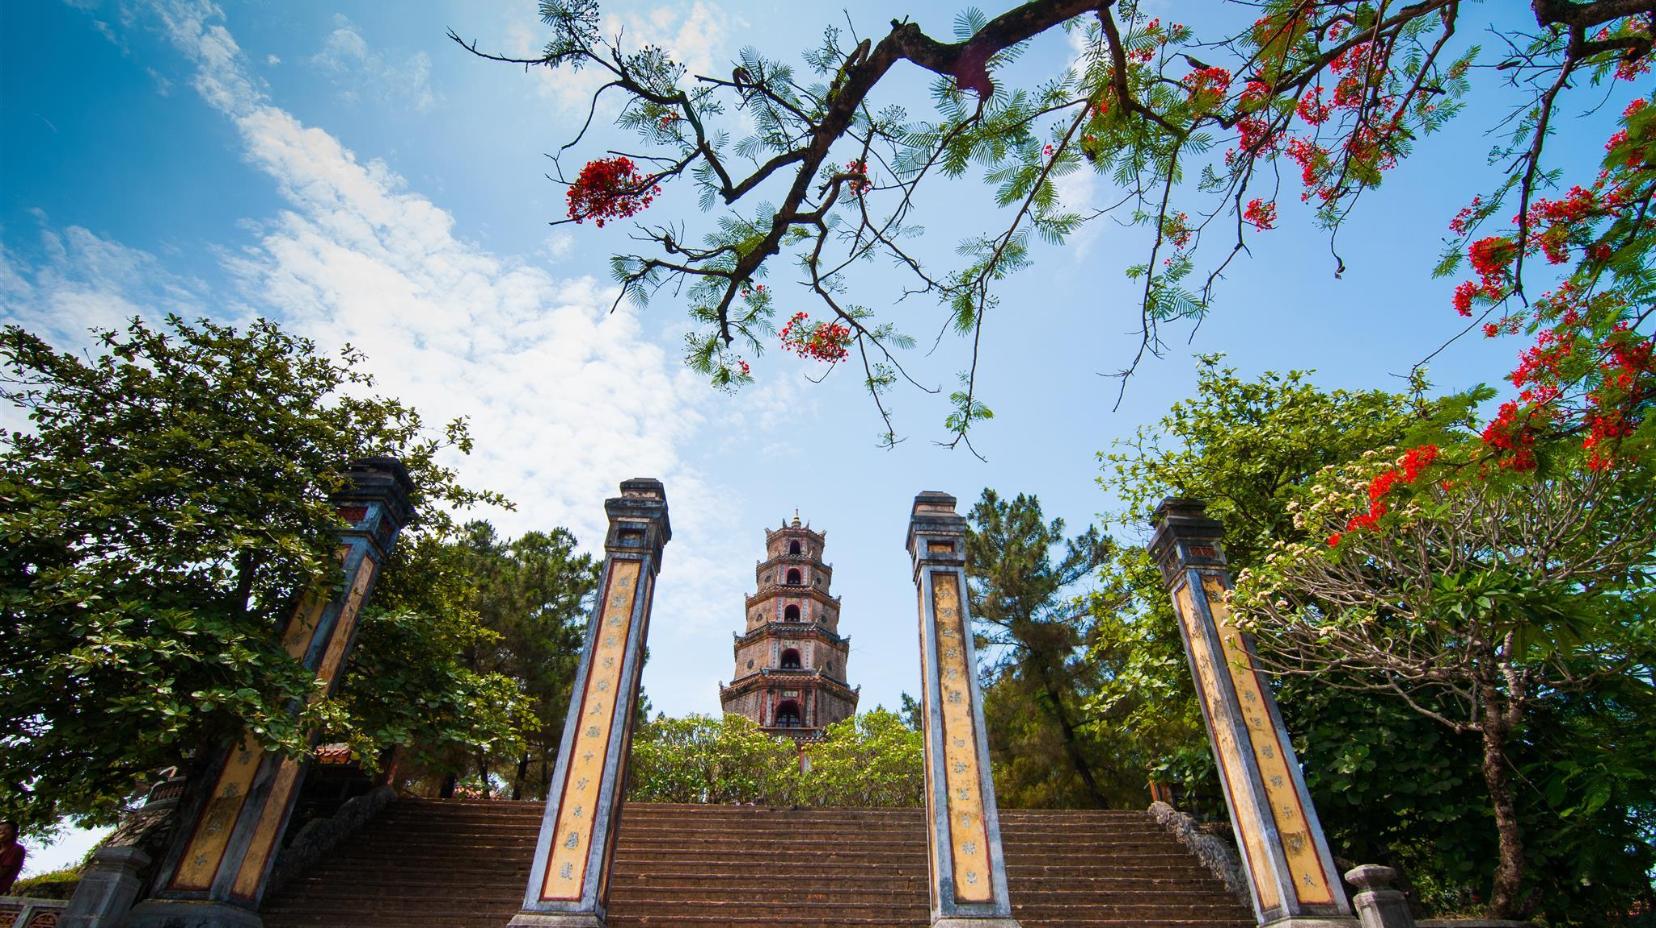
<point x="264" y="834"/>
<point x="968" y="834"/>
<point x="1287" y="810"/>
<point x="335" y="655"/>
<point x="1248" y="813"/>
<point x="566" y="864"/>
<point x="205" y="851"/>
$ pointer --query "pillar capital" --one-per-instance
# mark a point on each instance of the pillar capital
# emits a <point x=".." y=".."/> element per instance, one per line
<point x="936" y="533"/>
<point x="1185" y="538"/>
<point x="639" y="526"/>
<point x="376" y="501"/>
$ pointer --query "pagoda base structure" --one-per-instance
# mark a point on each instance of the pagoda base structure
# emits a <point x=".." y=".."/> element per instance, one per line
<point x="536" y="920"/>
<point x="185" y="913"/>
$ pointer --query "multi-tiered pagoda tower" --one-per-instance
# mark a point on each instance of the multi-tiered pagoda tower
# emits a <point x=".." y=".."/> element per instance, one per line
<point x="790" y="662"/>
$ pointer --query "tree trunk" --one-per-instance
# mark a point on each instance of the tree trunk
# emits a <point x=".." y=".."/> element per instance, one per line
<point x="1072" y="741"/>
<point x="522" y="775"/>
<point x="483" y="773"/>
<point x="1509" y="867"/>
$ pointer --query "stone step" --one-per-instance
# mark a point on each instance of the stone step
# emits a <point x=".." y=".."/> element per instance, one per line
<point x="464" y="864"/>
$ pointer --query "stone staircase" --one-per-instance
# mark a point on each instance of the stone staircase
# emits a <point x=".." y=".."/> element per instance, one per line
<point x="464" y="864"/>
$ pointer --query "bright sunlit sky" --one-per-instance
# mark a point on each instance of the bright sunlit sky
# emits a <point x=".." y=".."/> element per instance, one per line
<point x="343" y="168"/>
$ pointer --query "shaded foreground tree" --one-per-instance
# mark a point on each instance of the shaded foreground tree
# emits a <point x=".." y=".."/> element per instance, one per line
<point x="1479" y="603"/>
<point x="1189" y="123"/>
<point x="158" y="516"/>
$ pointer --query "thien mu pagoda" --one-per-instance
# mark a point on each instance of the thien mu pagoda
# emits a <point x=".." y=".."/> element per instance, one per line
<point x="790" y="673"/>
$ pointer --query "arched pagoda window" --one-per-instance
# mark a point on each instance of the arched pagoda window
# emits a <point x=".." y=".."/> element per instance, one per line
<point x="793" y="547"/>
<point x="790" y="659"/>
<point x="787" y="715"/>
<point x="791" y="613"/>
<point x="793" y="576"/>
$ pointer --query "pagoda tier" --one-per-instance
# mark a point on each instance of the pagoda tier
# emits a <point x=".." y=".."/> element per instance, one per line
<point x="790" y="673"/>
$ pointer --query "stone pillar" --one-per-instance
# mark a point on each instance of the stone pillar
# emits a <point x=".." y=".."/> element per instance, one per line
<point x="1378" y="905"/>
<point x="569" y="881"/>
<point x="1290" y="872"/>
<point x="114" y="877"/>
<point x="233" y="820"/>
<point x="968" y="869"/>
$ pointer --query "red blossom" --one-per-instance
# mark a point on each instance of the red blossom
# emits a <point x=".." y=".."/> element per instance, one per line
<point x="1312" y="109"/>
<point x="823" y="341"/>
<point x="610" y="188"/>
<point x="1260" y="214"/>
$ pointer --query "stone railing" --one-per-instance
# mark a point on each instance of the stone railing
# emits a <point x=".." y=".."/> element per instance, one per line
<point x="28" y="912"/>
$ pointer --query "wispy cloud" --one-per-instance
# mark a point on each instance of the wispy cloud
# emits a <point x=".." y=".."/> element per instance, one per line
<point x="565" y="397"/>
<point x="359" y="71"/>
<point x="695" y="34"/>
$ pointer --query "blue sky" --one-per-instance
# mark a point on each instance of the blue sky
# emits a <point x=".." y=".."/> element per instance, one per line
<point x="343" y="168"/>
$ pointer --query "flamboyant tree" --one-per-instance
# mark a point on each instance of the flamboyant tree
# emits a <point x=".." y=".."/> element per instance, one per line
<point x="1189" y="122"/>
<point x="1479" y="601"/>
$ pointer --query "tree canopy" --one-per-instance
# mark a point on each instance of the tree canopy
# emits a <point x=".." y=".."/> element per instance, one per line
<point x="166" y="504"/>
<point x="1287" y="466"/>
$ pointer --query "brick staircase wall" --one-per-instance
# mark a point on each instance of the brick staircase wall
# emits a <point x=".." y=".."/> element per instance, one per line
<point x="464" y="864"/>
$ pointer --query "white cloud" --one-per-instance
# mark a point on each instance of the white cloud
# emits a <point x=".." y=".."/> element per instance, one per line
<point x="273" y="59"/>
<point x="558" y="245"/>
<point x="358" y="70"/>
<point x="566" y="398"/>
<point x="83" y="282"/>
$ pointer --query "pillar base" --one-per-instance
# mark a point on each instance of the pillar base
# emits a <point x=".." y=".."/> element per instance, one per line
<point x="1315" y="921"/>
<point x="966" y="921"/>
<point x="178" y="913"/>
<point x="548" y="920"/>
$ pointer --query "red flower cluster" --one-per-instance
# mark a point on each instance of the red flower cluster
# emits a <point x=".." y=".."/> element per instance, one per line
<point x="746" y="370"/>
<point x="1413" y="464"/>
<point x="610" y="188"/>
<point x="824" y="341"/>
<point x="860" y="184"/>
<point x="1512" y="436"/>
<point x="1177" y="229"/>
<point x="1260" y="214"/>
<point x="1312" y="109"/>
<point x="1458" y="225"/>
<point x="1630" y="67"/>
<point x="1208" y="80"/>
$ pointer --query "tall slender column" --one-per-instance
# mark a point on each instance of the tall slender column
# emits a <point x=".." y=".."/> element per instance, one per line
<point x="569" y="881"/>
<point x="214" y="874"/>
<point x="968" y="870"/>
<point x="1290" y="871"/>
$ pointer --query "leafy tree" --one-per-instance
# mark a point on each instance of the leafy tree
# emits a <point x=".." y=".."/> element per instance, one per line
<point x="1022" y="604"/>
<point x="165" y="506"/>
<point x="501" y="624"/>
<point x="1388" y="785"/>
<point x="870" y="760"/>
<point x="1193" y="146"/>
<point x="1480" y="598"/>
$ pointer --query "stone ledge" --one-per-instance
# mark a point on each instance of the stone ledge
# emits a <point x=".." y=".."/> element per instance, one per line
<point x="1214" y="852"/>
